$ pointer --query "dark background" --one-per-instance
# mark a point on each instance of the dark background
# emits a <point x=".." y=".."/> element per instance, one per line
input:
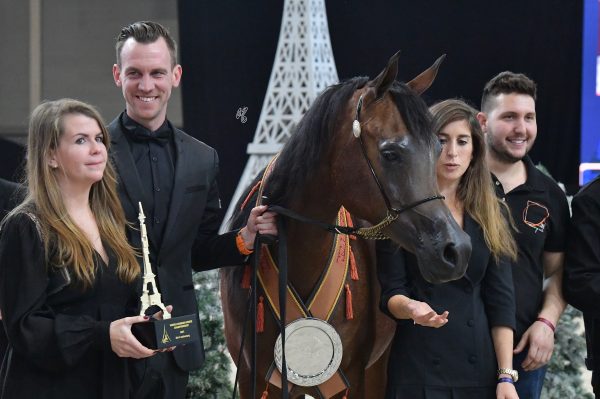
<point x="228" y="50"/>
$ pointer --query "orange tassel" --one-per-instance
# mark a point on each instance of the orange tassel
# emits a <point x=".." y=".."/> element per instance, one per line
<point x="265" y="392"/>
<point x="349" y="223"/>
<point x="353" y="269"/>
<point x="246" y="277"/>
<point x="260" y="315"/>
<point x="349" y="311"/>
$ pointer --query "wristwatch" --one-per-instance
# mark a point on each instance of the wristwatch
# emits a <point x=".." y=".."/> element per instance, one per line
<point x="514" y="374"/>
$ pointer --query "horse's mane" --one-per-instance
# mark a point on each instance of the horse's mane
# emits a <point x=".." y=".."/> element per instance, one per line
<point x="301" y="154"/>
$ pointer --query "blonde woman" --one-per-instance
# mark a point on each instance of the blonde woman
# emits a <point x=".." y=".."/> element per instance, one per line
<point x="67" y="274"/>
<point x="455" y="340"/>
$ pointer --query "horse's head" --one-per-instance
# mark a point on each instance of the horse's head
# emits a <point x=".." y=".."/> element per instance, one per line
<point x="387" y="167"/>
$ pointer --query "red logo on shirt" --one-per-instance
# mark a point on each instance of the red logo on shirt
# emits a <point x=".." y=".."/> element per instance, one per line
<point x="535" y="216"/>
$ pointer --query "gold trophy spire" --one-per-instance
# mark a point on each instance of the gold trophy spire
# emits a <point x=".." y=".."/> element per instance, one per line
<point x="147" y="299"/>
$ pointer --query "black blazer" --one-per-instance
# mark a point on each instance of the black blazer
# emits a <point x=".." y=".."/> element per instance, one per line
<point x="8" y="196"/>
<point x="191" y="239"/>
<point x="581" y="282"/>
<point x="461" y="353"/>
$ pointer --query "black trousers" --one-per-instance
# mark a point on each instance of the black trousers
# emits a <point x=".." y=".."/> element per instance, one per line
<point x="158" y="377"/>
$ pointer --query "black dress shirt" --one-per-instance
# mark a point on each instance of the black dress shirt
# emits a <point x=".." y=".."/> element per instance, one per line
<point x="154" y="156"/>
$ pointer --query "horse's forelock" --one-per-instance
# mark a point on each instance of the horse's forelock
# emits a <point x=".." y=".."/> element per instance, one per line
<point x="414" y="112"/>
<point x="311" y="137"/>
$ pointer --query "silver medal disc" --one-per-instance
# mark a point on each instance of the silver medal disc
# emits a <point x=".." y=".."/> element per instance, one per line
<point x="313" y="351"/>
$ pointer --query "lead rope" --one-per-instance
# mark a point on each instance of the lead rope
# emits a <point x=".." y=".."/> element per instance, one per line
<point x="283" y="283"/>
<point x="251" y="310"/>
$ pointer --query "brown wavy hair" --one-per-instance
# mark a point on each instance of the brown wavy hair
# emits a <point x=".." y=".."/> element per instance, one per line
<point x="65" y="243"/>
<point x="475" y="189"/>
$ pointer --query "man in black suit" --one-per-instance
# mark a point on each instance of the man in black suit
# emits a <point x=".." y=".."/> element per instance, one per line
<point x="174" y="176"/>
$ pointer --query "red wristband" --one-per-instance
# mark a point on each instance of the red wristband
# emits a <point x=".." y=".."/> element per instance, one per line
<point x="546" y="322"/>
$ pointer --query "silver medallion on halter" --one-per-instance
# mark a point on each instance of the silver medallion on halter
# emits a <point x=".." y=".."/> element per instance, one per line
<point x="313" y="351"/>
<point x="356" y="128"/>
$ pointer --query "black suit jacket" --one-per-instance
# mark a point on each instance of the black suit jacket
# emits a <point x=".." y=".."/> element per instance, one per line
<point x="461" y="353"/>
<point x="581" y="283"/>
<point x="190" y="240"/>
<point x="8" y="196"/>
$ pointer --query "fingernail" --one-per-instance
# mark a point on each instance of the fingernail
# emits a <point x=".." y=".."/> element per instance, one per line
<point x="146" y="317"/>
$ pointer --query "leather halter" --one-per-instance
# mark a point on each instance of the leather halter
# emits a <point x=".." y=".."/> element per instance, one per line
<point x="375" y="232"/>
<point x="370" y="233"/>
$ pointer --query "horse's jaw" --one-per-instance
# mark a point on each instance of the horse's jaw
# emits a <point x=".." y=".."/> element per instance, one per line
<point x="442" y="252"/>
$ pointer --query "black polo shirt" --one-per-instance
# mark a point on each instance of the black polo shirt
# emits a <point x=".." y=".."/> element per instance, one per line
<point x="541" y="214"/>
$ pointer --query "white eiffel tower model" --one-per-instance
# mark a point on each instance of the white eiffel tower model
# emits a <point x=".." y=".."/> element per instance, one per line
<point x="303" y="68"/>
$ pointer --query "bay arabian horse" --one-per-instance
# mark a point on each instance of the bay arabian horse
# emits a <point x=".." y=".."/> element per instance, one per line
<point x="388" y="167"/>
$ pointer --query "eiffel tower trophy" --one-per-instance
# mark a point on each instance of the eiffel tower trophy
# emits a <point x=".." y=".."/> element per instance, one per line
<point x="168" y="331"/>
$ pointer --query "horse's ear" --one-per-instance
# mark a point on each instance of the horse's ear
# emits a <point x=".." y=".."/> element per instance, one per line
<point x="384" y="80"/>
<point x="426" y="78"/>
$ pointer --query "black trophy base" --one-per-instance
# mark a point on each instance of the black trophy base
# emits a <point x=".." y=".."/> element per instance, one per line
<point x="160" y="334"/>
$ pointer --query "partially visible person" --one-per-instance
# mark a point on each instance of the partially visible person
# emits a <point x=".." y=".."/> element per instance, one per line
<point x="581" y="284"/>
<point x="175" y="177"/>
<point x="8" y="196"/>
<point x="541" y="214"/>
<point x="455" y="340"/>
<point x="8" y="199"/>
<point x="68" y="276"/>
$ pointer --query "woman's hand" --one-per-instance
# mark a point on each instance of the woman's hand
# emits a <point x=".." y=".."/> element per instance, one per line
<point x="123" y="342"/>
<point x="423" y="315"/>
<point x="506" y="390"/>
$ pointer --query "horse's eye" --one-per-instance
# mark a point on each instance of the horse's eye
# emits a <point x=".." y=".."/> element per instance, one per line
<point x="390" y="156"/>
<point x="437" y="149"/>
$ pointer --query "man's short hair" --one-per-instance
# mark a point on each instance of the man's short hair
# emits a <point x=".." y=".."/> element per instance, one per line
<point x="146" y="32"/>
<point x="507" y="83"/>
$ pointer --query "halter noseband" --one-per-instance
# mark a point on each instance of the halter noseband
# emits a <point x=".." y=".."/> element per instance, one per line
<point x="375" y="232"/>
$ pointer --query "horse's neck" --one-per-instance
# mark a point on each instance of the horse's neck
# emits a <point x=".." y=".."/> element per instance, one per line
<point x="309" y="247"/>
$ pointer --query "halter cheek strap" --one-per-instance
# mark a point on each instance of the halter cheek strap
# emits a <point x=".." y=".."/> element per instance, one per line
<point x="356" y="124"/>
<point x="393" y="213"/>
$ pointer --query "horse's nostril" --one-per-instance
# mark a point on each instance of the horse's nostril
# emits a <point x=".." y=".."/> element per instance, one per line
<point x="450" y="254"/>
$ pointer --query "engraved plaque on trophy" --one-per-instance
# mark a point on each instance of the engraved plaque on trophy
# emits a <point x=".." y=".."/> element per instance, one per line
<point x="170" y="331"/>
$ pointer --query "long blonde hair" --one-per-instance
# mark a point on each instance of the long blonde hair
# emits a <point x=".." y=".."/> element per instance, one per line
<point x="65" y="243"/>
<point x="475" y="188"/>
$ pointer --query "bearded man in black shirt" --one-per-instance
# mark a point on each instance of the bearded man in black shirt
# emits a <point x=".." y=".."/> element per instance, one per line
<point x="541" y="214"/>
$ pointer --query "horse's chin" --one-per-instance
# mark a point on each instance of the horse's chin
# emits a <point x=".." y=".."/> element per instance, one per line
<point x="449" y="266"/>
<point x="442" y="257"/>
<point x="435" y="277"/>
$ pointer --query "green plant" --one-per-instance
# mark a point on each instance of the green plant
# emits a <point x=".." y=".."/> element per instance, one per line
<point x="563" y="379"/>
<point x="213" y="380"/>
